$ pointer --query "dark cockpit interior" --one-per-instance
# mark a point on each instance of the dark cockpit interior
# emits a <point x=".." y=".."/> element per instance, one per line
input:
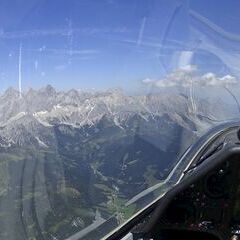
<point x="205" y="204"/>
<point x="207" y="209"/>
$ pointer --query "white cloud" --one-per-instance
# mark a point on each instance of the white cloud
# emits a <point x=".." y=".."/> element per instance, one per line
<point x="210" y="79"/>
<point x="180" y="77"/>
<point x="148" y="80"/>
<point x="228" y="79"/>
<point x="186" y="76"/>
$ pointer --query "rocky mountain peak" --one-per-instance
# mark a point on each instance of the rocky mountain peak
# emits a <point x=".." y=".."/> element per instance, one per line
<point x="11" y="93"/>
<point x="49" y="90"/>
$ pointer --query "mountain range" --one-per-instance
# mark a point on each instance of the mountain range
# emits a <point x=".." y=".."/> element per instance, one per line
<point x="30" y="119"/>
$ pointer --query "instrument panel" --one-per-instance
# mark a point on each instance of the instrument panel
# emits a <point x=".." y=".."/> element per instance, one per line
<point x="211" y="205"/>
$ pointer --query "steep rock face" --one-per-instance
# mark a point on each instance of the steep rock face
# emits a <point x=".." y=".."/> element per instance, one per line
<point x="25" y="130"/>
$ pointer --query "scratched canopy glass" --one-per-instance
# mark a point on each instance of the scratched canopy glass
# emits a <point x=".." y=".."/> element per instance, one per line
<point x="99" y="100"/>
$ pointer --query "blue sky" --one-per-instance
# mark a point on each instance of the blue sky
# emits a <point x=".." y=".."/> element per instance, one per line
<point x="114" y="43"/>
